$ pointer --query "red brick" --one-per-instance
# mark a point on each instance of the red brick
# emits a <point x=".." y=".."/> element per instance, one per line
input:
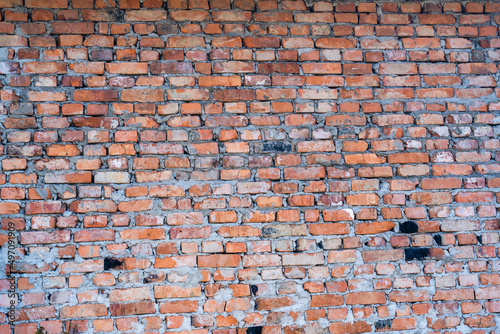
<point x="342" y="256"/>
<point x="374" y="227"/>
<point x="350" y="327"/>
<point x="210" y="261"/>
<point x="454" y="294"/>
<point x="176" y="292"/>
<point x="261" y="260"/>
<point x="232" y="121"/>
<point x="263" y="304"/>
<point x="365" y="298"/>
<point x="326" y="300"/>
<point x="44" y="67"/>
<point x="181" y="306"/>
<point x="95" y="95"/>
<point x="83" y="28"/>
<point x="45" y="237"/>
<point x="409" y="296"/>
<point x="94" y="235"/>
<point x="322" y="68"/>
<point x="382" y="255"/>
<point x="83" y="311"/>
<point x="310" y="173"/>
<point x="335" y="43"/>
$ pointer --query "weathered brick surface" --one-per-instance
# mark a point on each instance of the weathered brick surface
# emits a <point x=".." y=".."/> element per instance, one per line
<point x="242" y="166"/>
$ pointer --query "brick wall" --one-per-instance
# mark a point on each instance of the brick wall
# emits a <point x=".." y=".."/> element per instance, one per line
<point x="250" y="167"/>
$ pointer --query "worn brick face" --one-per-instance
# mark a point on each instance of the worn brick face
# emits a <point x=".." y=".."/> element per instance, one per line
<point x="250" y="166"/>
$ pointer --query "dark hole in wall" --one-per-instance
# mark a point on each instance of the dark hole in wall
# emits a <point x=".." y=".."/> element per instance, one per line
<point x="438" y="239"/>
<point x="268" y="231"/>
<point x="110" y="263"/>
<point x="276" y="147"/>
<point x="254" y="289"/>
<point x="414" y="253"/>
<point x="383" y="324"/>
<point x="254" y="330"/>
<point x="257" y="301"/>
<point x="116" y="15"/>
<point x="408" y="227"/>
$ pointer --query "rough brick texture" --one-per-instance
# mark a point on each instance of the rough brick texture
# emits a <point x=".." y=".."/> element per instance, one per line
<point x="240" y="166"/>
